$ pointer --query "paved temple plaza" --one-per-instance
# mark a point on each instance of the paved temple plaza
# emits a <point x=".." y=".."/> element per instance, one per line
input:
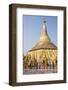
<point x="40" y="71"/>
<point x="43" y="57"/>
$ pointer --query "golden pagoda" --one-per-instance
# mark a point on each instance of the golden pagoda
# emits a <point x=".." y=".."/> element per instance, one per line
<point x="44" y="51"/>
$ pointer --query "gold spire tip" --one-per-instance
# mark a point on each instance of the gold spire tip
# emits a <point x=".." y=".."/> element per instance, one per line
<point x="44" y="20"/>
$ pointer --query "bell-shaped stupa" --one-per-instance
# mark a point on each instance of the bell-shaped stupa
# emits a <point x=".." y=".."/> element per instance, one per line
<point x="44" y="41"/>
<point x="43" y="55"/>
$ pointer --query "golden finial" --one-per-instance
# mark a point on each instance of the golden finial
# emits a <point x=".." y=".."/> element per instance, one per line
<point x="44" y="20"/>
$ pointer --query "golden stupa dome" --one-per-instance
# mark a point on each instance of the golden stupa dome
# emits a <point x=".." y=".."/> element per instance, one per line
<point x="44" y="41"/>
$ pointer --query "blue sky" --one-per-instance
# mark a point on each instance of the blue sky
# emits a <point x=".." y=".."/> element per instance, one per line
<point x="33" y="28"/>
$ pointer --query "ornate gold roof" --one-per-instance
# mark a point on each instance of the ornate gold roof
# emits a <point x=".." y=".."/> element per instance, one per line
<point x="44" y="42"/>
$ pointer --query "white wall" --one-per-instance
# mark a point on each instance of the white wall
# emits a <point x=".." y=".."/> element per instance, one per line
<point x="4" y="47"/>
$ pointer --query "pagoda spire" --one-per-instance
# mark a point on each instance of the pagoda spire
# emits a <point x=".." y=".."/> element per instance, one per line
<point x="44" y="35"/>
<point x="44" y="26"/>
<point x="44" y="41"/>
